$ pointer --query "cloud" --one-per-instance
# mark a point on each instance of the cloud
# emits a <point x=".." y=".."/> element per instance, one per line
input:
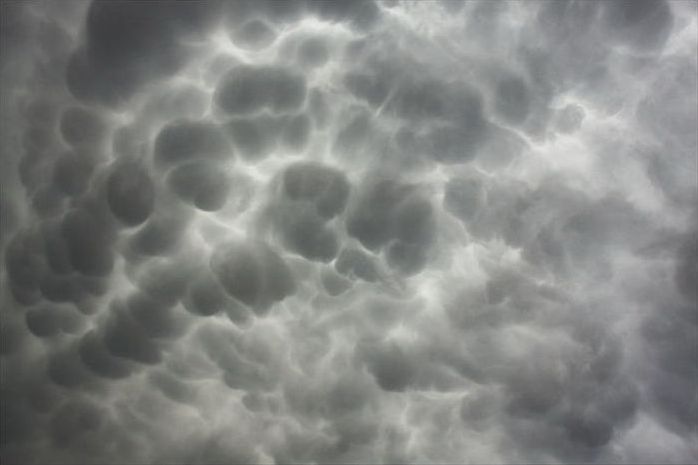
<point x="349" y="232"/>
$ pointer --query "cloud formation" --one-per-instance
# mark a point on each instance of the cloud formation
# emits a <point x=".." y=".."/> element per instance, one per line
<point x="349" y="232"/>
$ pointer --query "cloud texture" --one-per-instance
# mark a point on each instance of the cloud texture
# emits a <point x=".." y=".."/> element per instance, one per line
<point x="349" y="232"/>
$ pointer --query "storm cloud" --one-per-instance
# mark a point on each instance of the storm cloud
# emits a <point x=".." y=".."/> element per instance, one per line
<point x="349" y="232"/>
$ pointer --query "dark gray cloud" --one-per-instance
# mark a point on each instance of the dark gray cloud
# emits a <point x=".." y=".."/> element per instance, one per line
<point x="349" y="232"/>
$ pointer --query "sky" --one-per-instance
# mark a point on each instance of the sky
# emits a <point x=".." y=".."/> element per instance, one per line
<point x="349" y="232"/>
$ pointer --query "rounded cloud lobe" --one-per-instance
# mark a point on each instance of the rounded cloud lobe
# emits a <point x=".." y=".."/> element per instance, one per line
<point x="349" y="232"/>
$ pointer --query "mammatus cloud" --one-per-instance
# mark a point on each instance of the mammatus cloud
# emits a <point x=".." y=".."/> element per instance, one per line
<point x="349" y="232"/>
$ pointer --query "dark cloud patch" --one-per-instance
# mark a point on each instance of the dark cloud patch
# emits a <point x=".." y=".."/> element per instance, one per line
<point x="464" y="197"/>
<point x="48" y="321"/>
<point x="687" y="268"/>
<point x="456" y="143"/>
<point x="47" y="202"/>
<point x="324" y="186"/>
<point x="304" y="232"/>
<point x="248" y="89"/>
<point x="443" y="122"/>
<point x="165" y="280"/>
<point x="334" y="283"/>
<point x="205" y="185"/>
<point x="12" y="335"/>
<point x="16" y="423"/>
<point x="130" y="193"/>
<point x="255" y="138"/>
<point x="408" y="258"/>
<point x="23" y="263"/>
<point x="672" y="340"/>
<point x="159" y="235"/>
<point x="32" y="168"/>
<point x="172" y="387"/>
<point x="254" y="34"/>
<point x="362" y="14"/>
<point x="125" y="337"/>
<point x="141" y="42"/>
<point x="81" y="126"/>
<point x="66" y="370"/>
<point x="512" y="99"/>
<point x="72" y="172"/>
<point x="371" y="87"/>
<point x="238" y="372"/>
<point x="297" y="132"/>
<point x="356" y="264"/>
<point x="313" y="52"/>
<point x="156" y="318"/>
<point x="419" y="101"/>
<point x="205" y="296"/>
<point x="89" y="235"/>
<point x="394" y="215"/>
<point x="74" y="288"/>
<point x="354" y="135"/>
<point x="588" y="430"/>
<point x="278" y="12"/>
<point x="414" y="221"/>
<point x="252" y="273"/>
<point x="479" y="409"/>
<point x="74" y="420"/>
<point x="97" y="358"/>
<point x="643" y="24"/>
<point x="392" y="368"/>
<point x="368" y="221"/>
<point x="185" y="140"/>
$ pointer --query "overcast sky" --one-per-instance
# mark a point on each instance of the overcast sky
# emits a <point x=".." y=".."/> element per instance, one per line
<point x="349" y="232"/>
